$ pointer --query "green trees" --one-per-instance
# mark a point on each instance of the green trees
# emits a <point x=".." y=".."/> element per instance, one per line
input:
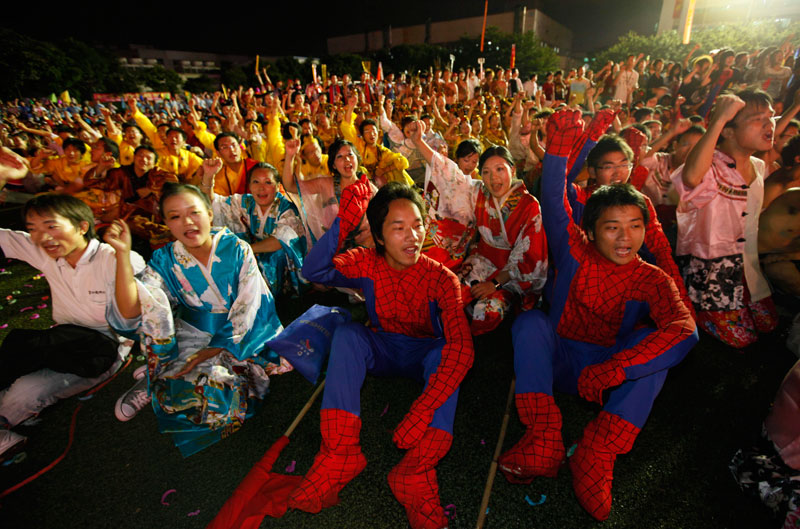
<point x="741" y="37"/>
<point x="531" y="55"/>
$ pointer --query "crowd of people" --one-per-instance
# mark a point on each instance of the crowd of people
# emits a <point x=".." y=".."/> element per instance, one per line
<point x="613" y="214"/>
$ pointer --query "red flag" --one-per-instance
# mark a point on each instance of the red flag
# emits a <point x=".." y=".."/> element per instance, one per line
<point x="261" y="493"/>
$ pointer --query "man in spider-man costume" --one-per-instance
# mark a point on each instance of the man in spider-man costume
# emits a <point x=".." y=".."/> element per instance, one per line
<point x="417" y="329"/>
<point x="593" y="342"/>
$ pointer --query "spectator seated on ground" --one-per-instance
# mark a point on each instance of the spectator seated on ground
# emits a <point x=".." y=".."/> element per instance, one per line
<point x="616" y="325"/>
<point x="39" y="367"/>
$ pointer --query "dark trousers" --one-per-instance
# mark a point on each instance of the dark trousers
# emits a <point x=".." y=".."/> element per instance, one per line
<point x="64" y="349"/>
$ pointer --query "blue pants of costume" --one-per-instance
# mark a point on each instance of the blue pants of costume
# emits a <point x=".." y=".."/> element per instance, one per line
<point x="544" y="361"/>
<point x="356" y="351"/>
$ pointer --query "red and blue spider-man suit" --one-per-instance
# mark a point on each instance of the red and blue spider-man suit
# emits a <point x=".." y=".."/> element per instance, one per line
<point x="418" y="329"/>
<point x="656" y="248"/>
<point x="591" y="341"/>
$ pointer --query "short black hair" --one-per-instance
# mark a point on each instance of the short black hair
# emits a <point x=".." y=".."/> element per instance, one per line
<point x="67" y="206"/>
<point x="606" y="144"/>
<point x="791" y="151"/>
<point x="495" y="150"/>
<point x="110" y="146"/>
<point x="171" y="189"/>
<point x="74" y="142"/>
<point x="289" y="125"/>
<point x="614" y="195"/>
<point x="145" y="147"/>
<point x="364" y="124"/>
<point x="468" y="147"/>
<point x="131" y="125"/>
<point x="262" y="165"/>
<point x="179" y="130"/>
<point x="750" y="96"/>
<point x="334" y="149"/>
<point x="225" y="135"/>
<point x="378" y="208"/>
<point x="641" y="113"/>
<point x="694" y="129"/>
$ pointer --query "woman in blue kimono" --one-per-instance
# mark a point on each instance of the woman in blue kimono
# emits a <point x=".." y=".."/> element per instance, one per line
<point x="268" y="221"/>
<point x="203" y="313"/>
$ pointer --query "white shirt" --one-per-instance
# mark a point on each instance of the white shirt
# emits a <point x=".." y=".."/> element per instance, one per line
<point x="626" y="84"/>
<point x="80" y="295"/>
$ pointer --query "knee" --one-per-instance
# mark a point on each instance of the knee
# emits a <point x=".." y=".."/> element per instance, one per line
<point x="350" y="340"/>
<point x="529" y="324"/>
<point x="26" y="397"/>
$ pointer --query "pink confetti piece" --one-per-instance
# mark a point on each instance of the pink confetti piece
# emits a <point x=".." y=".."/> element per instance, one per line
<point x="45" y="298"/>
<point x="34" y="316"/>
<point x="164" y="496"/>
<point x="23" y="309"/>
<point x="42" y="306"/>
<point x="290" y="466"/>
<point x="385" y="410"/>
<point x="483" y="442"/>
<point x="3" y="326"/>
<point x="194" y="513"/>
<point x="29" y="286"/>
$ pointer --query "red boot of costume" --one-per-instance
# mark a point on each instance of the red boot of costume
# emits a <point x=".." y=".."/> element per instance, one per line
<point x="413" y="480"/>
<point x="592" y="464"/>
<point x="540" y="452"/>
<point x="339" y="460"/>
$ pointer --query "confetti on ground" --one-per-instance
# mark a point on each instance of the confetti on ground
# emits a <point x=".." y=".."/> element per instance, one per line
<point x="42" y="306"/>
<point x="290" y="466"/>
<point x="483" y="442"/>
<point x="3" y="326"/>
<point x="86" y="397"/>
<point x="45" y="298"/>
<point x="385" y="410"/>
<point x="140" y="358"/>
<point x="9" y="297"/>
<point x="23" y="309"/>
<point x="34" y="316"/>
<point x="487" y="510"/>
<point x="194" y="513"/>
<point x="164" y="496"/>
<point x="534" y="503"/>
<point x="36" y="278"/>
<point x="29" y="286"/>
<point x="12" y="301"/>
<point x="448" y="513"/>
<point x="5" y="273"/>
<point x="572" y="450"/>
<point x="16" y="292"/>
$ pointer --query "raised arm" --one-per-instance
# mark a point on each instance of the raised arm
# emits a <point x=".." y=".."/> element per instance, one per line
<point x="700" y="157"/>
<point x="118" y="236"/>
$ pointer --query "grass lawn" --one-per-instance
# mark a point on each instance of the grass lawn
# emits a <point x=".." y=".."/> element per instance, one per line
<point x="115" y="473"/>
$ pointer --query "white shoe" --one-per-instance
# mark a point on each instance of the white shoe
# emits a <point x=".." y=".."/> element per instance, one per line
<point x="10" y="444"/>
<point x="133" y="400"/>
<point x="139" y="372"/>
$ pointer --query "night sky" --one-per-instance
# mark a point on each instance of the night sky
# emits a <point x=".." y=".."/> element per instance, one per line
<point x="261" y="29"/>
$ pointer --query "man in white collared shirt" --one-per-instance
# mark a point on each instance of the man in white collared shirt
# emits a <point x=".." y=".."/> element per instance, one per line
<point x="39" y="367"/>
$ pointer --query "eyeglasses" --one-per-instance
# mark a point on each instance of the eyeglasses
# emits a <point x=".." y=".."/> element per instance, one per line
<point x="609" y="167"/>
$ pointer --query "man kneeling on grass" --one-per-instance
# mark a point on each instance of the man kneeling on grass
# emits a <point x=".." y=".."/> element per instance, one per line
<point x="592" y="342"/>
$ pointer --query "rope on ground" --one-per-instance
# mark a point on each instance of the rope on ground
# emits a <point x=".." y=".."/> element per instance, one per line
<point x="71" y="435"/>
